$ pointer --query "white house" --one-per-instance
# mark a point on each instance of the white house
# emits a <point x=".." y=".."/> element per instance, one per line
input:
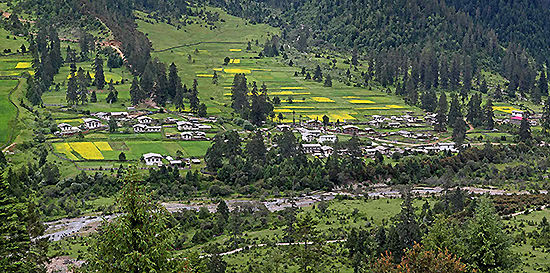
<point x="152" y="159"/>
<point x="64" y="127"/>
<point x="328" y="138"/>
<point x="200" y="135"/>
<point x="327" y="150"/>
<point x="184" y="125"/>
<point x="67" y="129"/>
<point x="313" y="123"/>
<point x="307" y="137"/>
<point x="143" y="128"/>
<point x="202" y="127"/>
<point x="350" y="129"/>
<point x="91" y="123"/>
<point x="119" y="115"/>
<point x="144" y="120"/>
<point x="311" y="148"/>
<point x="186" y="136"/>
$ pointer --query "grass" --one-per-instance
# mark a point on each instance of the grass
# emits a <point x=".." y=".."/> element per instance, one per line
<point x="7" y="109"/>
<point x="532" y="258"/>
<point x="208" y="47"/>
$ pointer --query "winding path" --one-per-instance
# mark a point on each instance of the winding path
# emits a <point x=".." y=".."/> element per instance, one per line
<point x="11" y="138"/>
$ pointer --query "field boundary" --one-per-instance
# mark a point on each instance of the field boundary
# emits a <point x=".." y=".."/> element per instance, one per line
<point x="11" y="136"/>
<point x="194" y="44"/>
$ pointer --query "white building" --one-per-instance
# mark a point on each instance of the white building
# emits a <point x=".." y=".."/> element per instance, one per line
<point x="67" y="129"/>
<point x="328" y="138"/>
<point x="143" y="128"/>
<point x="144" y="120"/>
<point x="186" y="136"/>
<point x="311" y="148"/>
<point x="327" y="150"/>
<point x="152" y="159"/>
<point x="91" y="123"/>
<point x="184" y="125"/>
<point x="119" y="115"/>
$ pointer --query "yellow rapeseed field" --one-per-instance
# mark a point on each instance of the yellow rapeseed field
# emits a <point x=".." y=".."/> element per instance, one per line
<point x="205" y="75"/>
<point x="393" y="106"/>
<point x="361" y="101"/>
<point x="332" y="117"/>
<point x="103" y="146"/>
<point x="87" y="150"/>
<point x="64" y="148"/>
<point x="505" y="109"/>
<point x="235" y="61"/>
<point x="289" y="93"/>
<point x="237" y="71"/>
<point x="235" y="50"/>
<point x="23" y="65"/>
<point x="322" y="99"/>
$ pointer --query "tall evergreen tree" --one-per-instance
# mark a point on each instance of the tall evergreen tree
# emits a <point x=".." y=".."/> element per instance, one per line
<point x="525" y="129"/>
<point x="441" y="118"/>
<point x="174" y="81"/>
<point x="318" y="75"/>
<point x="489" y="115"/>
<point x="99" y="78"/>
<point x="72" y="90"/>
<point x="545" y="119"/>
<point x="194" y="97"/>
<point x="239" y="94"/>
<point x="136" y="93"/>
<point x="543" y="84"/>
<point x="138" y="240"/>
<point x="255" y="149"/>
<point x="459" y="131"/>
<point x="454" y="110"/>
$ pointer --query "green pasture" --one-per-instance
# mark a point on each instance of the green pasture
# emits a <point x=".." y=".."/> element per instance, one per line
<point x="208" y="48"/>
<point x="6" y="108"/>
<point x="532" y="259"/>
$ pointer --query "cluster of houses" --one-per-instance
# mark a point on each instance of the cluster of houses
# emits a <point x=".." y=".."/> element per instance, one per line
<point x="191" y="129"/>
<point x="87" y="124"/>
<point x="154" y="159"/>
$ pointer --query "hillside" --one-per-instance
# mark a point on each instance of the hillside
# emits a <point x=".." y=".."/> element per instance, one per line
<point x="274" y="136"/>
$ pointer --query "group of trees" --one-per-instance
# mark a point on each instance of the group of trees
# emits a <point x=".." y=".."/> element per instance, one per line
<point x="45" y="49"/>
<point x="253" y="105"/>
<point x="79" y="82"/>
<point x="161" y="87"/>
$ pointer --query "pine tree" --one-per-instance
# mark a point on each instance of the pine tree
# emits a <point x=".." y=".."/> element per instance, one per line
<point x="459" y="131"/>
<point x="429" y="99"/>
<point x="215" y="78"/>
<point x="525" y="130"/>
<point x="239" y="94"/>
<point x="255" y="149"/>
<point x="99" y="78"/>
<point x="489" y="115"/>
<point x="441" y="123"/>
<point x="202" y="111"/>
<point x="475" y="115"/>
<point x="194" y="97"/>
<point x="139" y="240"/>
<point x="543" y="84"/>
<point x="545" y="119"/>
<point x="483" y="87"/>
<point x="93" y="97"/>
<point x="328" y="81"/>
<point x="178" y="99"/>
<point x="454" y="110"/>
<point x="318" y="75"/>
<point x="18" y="225"/>
<point x="136" y="93"/>
<point x="72" y="90"/>
<point x="174" y="81"/>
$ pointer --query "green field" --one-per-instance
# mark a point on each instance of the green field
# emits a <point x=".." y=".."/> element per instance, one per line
<point x="208" y="48"/>
<point x="533" y="259"/>
<point x="6" y="108"/>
